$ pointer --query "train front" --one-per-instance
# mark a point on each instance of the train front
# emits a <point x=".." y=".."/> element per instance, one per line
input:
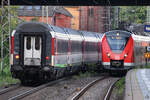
<point x="117" y="50"/>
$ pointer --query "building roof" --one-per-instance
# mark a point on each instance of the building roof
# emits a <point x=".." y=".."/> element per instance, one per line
<point x="37" y="11"/>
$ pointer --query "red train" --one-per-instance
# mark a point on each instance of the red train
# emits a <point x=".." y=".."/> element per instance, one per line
<point x="122" y="50"/>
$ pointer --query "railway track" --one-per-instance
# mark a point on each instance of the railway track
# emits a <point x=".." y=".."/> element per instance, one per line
<point x="108" y="94"/>
<point x="4" y="94"/>
<point x="88" y="86"/>
<point x="9" y="89"/>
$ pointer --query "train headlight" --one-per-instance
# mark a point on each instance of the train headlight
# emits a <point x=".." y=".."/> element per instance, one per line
<point x="125" y="55"/>
<point x="108" y="54"/>
<point x="17" y="57"/>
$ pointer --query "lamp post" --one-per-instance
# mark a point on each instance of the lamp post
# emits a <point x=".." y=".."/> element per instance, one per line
<point x="43" y="19"/>
<point x="133" y="11"/>
<point x="53" y="16"/>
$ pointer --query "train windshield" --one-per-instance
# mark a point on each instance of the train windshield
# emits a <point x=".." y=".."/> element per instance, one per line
<point x="117" y="41"/>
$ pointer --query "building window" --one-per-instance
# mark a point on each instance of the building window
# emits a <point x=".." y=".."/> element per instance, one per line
<point x="90" y="12"/>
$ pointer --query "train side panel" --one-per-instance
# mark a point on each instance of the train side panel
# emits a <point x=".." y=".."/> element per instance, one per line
<point x="60" y="46"/>
<point x="140" y="44"/>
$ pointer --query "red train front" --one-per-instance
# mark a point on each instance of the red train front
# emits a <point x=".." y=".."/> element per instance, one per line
<point x="117" y="50"/>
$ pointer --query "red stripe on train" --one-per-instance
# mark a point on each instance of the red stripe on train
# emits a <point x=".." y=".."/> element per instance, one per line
<point x="12" y="44"/>
<point x="53" y="41"/>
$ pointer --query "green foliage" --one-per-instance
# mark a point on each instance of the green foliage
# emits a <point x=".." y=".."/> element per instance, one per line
<point x="147" y="66"/>
<point x="120" y="85"/>
<point x="86" y="74"/>
<point x="14" y="17"/>
<point x="91" y="71"/>
<point x="133" y="14"/>
<point x="13" y="23"/>
<point x="6" y="78"/>
<point x="81" y="75"/>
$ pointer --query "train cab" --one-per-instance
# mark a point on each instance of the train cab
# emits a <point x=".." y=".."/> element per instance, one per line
<point x="117" y="50"/>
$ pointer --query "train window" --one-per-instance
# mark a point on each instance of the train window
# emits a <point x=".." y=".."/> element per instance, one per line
<point x="117" y="43"/>
<point x="62" y="46"/>
<point x="91" y="47"/>
<point x="28" y="43"/>
<point x="37" y="43"/>
<point x="76" y="46"/>
<point x="29" y="8"/>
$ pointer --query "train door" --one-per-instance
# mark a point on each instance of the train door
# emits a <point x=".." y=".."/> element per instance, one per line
<point x="32" y="50"/>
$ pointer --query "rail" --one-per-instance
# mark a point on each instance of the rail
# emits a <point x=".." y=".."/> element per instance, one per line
<point x="78" y="95"/>
<point x="33" y="90"/>
<point x="108" y="94"/>
<point x="8" y="89"/>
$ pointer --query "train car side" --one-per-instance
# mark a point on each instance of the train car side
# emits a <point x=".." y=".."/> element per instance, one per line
<point x="140" y="45"/>
<point x="45" y="52"/>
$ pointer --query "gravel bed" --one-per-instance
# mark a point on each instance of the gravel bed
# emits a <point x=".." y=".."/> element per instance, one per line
<point x="15" y="92"/>
<point x="98" y="91"/>
<point x="7" y="86"/>
<point x="62" y="90"/>
<point x="115" y="95"/>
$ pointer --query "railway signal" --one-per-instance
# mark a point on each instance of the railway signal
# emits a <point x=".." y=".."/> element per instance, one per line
<point x="147" y="55"/>
<point x="147" y="28"/>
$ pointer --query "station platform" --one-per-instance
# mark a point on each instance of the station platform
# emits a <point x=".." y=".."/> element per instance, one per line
<point x="137" y="86"/>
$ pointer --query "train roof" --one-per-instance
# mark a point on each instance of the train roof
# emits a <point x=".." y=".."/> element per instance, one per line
<point x="91" y="36"/>
<point x="74" y="34"/>
<point x="58" y="32"/>
<point x="140" y="37"/>
<point x="36" y="26"/>
<point x="113" y="33"/>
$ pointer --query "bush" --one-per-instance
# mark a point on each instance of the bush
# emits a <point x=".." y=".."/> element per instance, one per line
<point x="6" y="78"/>
<point x="120" y="85"/>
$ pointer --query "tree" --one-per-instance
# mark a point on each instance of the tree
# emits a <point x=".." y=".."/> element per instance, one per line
<point x="133" y="14"/>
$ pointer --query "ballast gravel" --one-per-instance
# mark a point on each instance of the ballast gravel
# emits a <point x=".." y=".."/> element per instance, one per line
<point x="62" y="90"/>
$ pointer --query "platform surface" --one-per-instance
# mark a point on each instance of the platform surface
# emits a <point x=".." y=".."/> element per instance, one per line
<point x="137" y="86"/>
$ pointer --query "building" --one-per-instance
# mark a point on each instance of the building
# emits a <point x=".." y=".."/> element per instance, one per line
<point x="74" y="10"/>
<point x="94" y="18"/>
<point x="57" y="15"/>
